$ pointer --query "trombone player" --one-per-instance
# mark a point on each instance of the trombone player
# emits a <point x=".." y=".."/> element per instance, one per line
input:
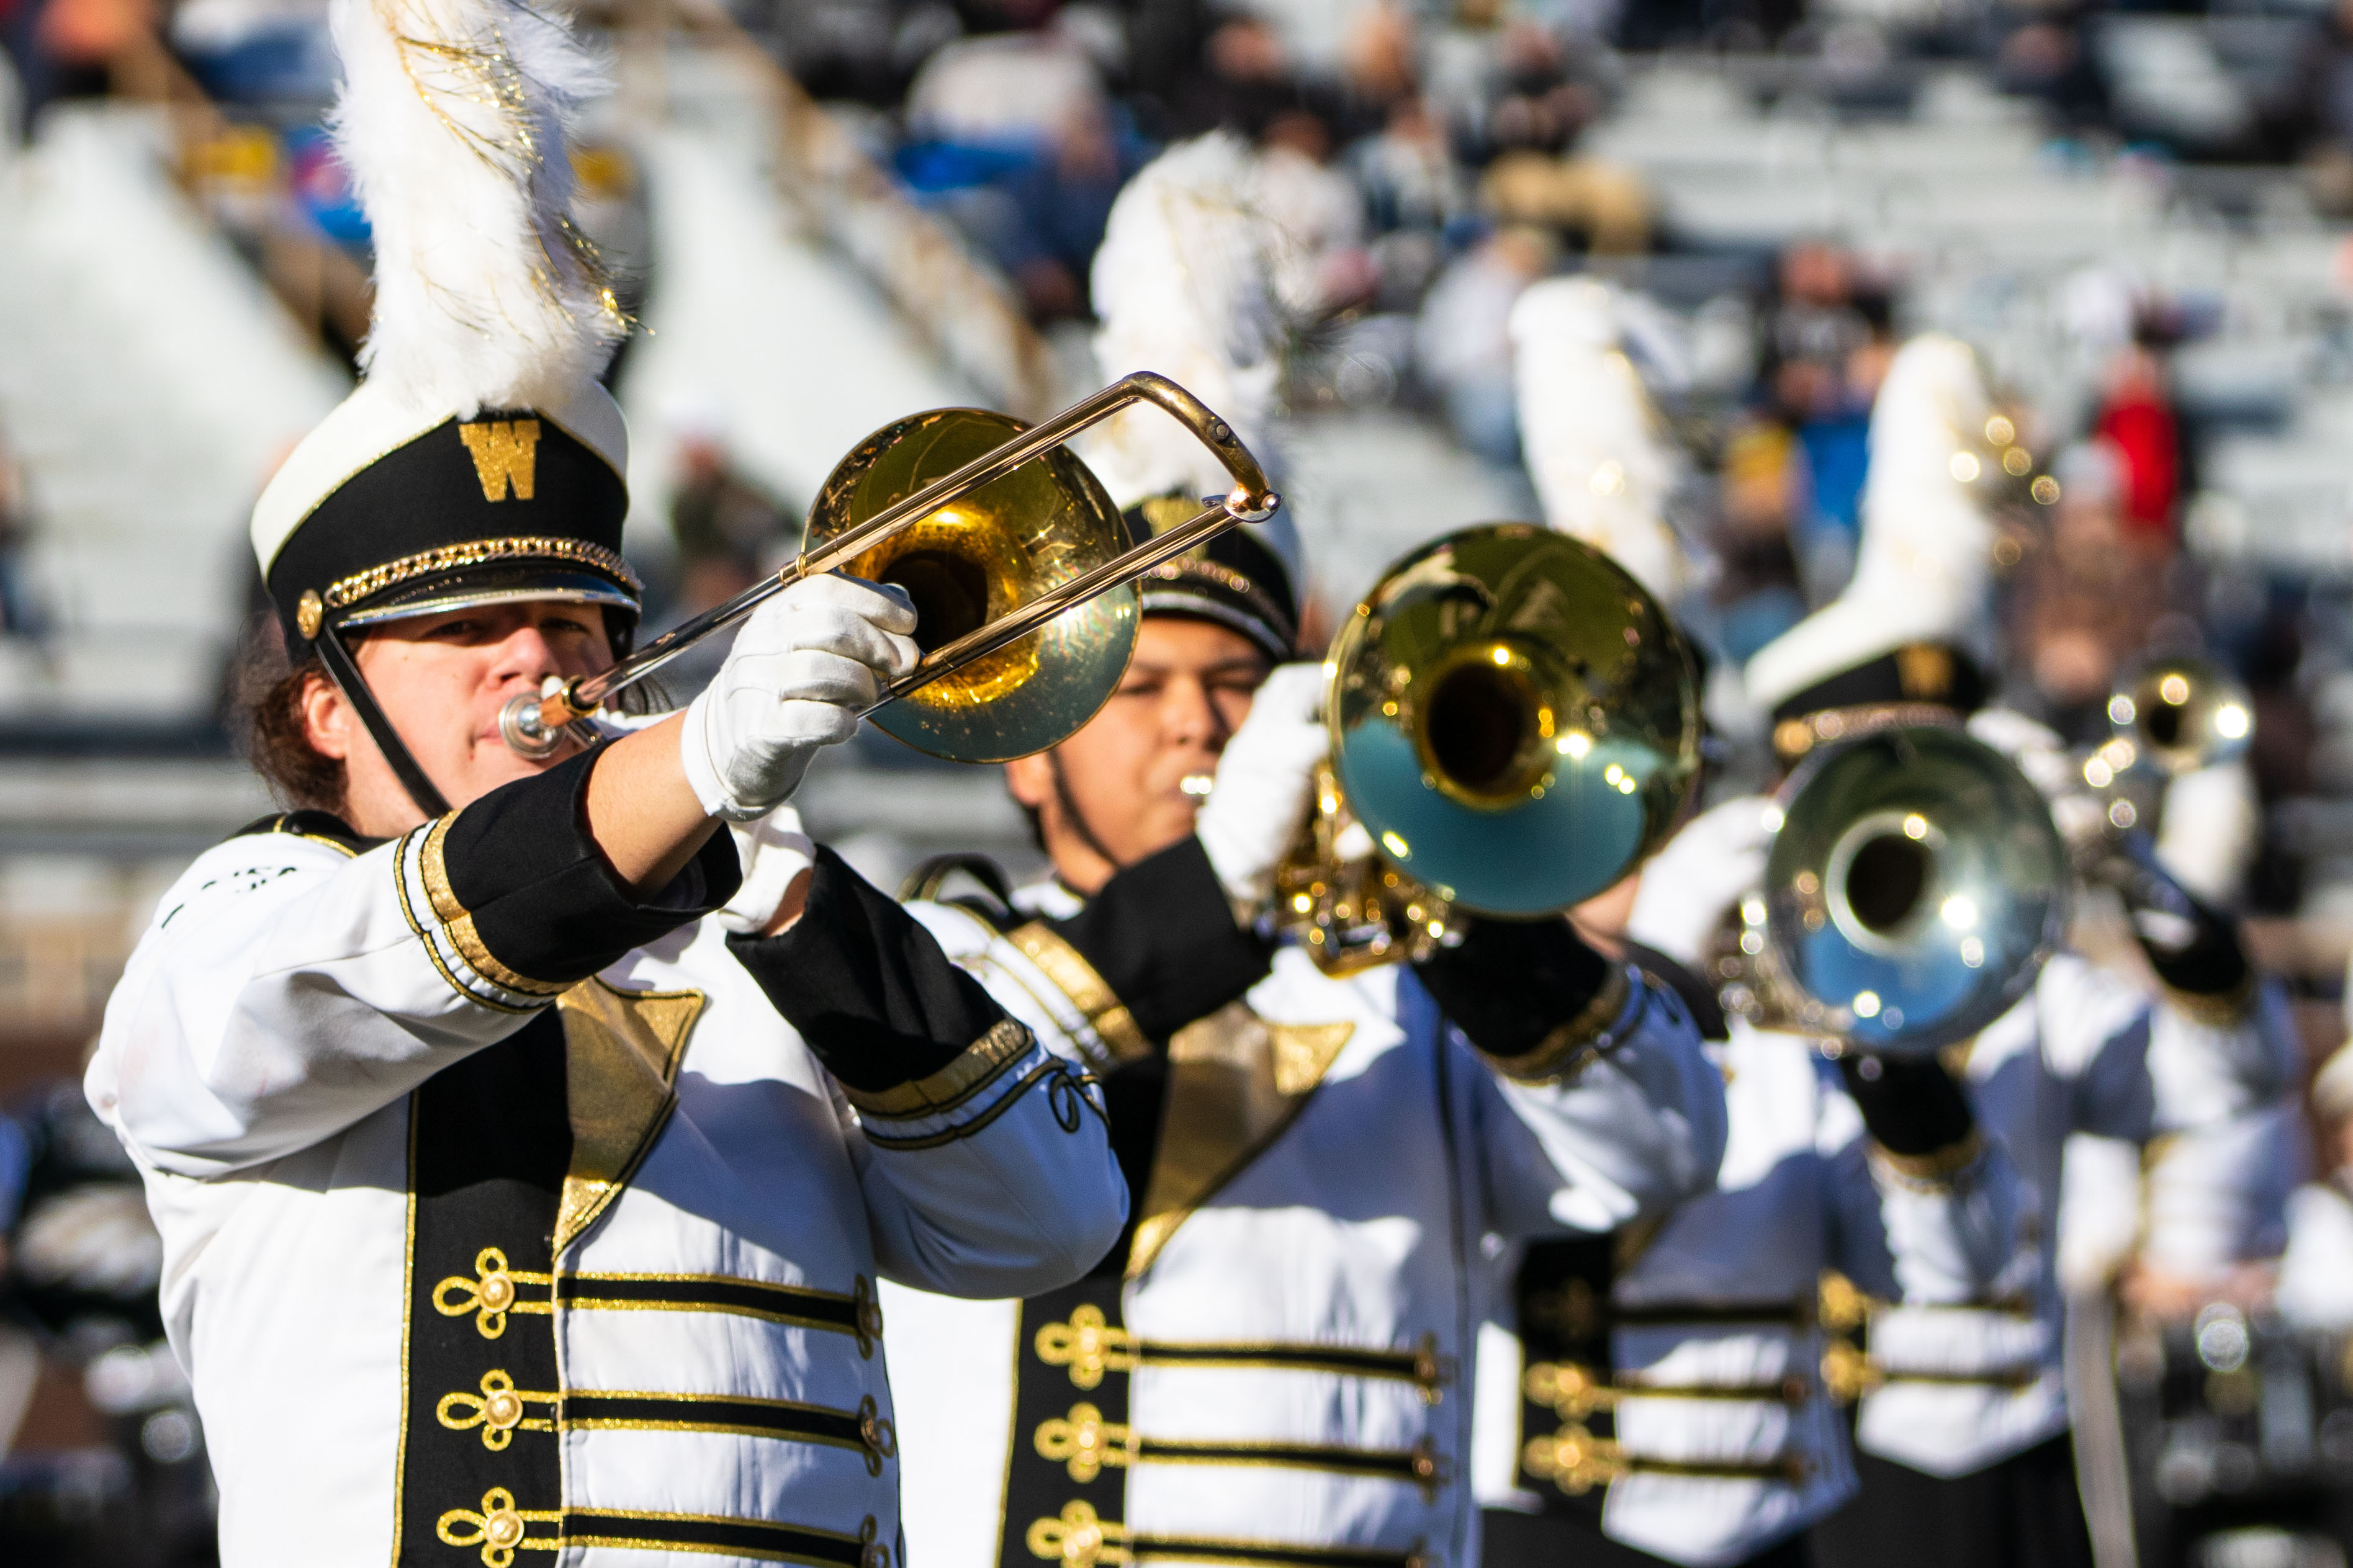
<point x="1273" y="1365"/>
<point x="1963" y="1435"/>
<point x="504" y="1213"/>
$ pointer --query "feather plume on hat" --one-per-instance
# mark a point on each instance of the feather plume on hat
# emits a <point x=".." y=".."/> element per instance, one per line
<point x="451" y="121"/>
<point x="1923" y="570"/>
<point x="1184" y="285"/>
<point x="1602" y="464"/>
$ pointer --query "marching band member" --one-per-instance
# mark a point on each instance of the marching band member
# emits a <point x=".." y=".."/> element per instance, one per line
<point x="503" y="1212"/>
<point x="1273" y="1366"/>
<point x="1965" y="1457"/>
<point x="1672" y="1407"/>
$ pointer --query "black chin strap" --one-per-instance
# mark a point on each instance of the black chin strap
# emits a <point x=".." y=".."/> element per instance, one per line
<point x="346" y="673"/>
<point x="1074" y="816"/>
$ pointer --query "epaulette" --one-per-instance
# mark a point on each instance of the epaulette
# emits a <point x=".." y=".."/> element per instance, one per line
<point x="994" y="905"/>
<point x="319" y="827"/>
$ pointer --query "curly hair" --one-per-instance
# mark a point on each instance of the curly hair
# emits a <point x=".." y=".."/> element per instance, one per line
<point x="267" y="722"/>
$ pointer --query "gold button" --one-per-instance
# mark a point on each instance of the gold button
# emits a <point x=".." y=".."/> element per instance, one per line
<point x="310" y="613"/>
<point x="503" y="1529"/>
<point x="498" y="1293"/>
<point x="503" y="1409"/>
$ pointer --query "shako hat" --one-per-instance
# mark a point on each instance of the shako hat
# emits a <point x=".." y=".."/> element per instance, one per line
<point x="480" y="461"/>
<point x="1901" y="635"/>
<point x="1188" y="282"/>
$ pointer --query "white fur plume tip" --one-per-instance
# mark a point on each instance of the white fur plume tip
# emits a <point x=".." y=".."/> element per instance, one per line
<point x="452" y="122"/>
<point x="1185" y="283"/>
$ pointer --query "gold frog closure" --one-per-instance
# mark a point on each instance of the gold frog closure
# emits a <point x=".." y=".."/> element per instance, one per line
<point x="500" y="1528"/>
<point x="1088" y="1345"/>
<point x="493" y="1293"/>
<point x="499" y="1410"/>
<point x="1085" y="1443"/>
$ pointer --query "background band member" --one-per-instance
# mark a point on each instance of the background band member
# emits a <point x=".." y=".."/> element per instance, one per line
<point x="470" y="1132"/>
<point x="1272" y="1366"/>
<point x="1963" y="1442"/>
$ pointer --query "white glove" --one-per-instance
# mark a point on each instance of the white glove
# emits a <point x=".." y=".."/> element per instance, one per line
<point x="802" y="667"/>
<point x="1265" y="782"/>
<point x="773" y="851"/>
<point x="1688" y="888"/>
<point x="2039" y="752"/>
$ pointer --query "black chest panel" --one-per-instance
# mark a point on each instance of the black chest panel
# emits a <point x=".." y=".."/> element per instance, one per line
<point x="1565" y="1318"/>
<point x="489" y="1140"/>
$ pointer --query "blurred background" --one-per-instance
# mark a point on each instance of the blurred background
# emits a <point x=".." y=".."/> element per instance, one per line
<point x="831" y="213"/>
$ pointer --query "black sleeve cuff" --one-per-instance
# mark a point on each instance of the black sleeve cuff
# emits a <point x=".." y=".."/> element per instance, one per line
<point x="1911" y="1106"/>
<point x="866" y="984"/>
<point x="1162" y="936"/>
<point x="517" y="876"/>
<point x="1512" y="986"/>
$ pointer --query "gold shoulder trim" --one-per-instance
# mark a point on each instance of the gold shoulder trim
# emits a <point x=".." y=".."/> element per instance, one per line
<point x="982" y="1063"/>
<point x="1566" y="1051"/>
<point x="1076" y="978"/>
<point x="457" y="922"/>
<point x="1932" y="1171"/>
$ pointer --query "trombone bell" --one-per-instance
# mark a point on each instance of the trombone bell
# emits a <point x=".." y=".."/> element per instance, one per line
<point x="2183" y="714"/>
<point x="985" y="554"/>
<point x="1514" y="721"/>
<point x="1913" y="889"/>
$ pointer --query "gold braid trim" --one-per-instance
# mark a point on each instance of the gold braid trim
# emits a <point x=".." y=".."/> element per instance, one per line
<point x="458" y="922"/>
<point x="1570" y="1047"/>
<point x="348" y="591"/>
<point x="1089" y="992"/>
<point x="983" y="1063"/>
<point x="2215" y="1010"/>
<point x="1934" y="1171"/>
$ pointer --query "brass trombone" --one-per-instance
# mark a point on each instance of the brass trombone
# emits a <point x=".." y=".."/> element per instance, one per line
<point x="1514" y="726"/>
<point x="1017" y="562"/>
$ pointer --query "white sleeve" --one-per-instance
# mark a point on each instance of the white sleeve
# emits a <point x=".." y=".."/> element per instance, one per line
<point x="285" y="990"/>
<point x="1933" y="1230"/>
<point x="1634" y="1131"/>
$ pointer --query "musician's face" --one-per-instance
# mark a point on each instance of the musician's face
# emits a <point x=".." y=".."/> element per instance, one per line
<point x="1121" y="793"/>
<point x="441" y="679"/>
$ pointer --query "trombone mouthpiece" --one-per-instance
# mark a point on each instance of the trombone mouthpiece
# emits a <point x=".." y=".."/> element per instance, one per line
<point x="1197" y="786"/>
<point x="531" y="724"/>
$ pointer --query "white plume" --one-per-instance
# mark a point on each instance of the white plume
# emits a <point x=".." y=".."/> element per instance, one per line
<point x="1184" y="285"/>
<point x="1922" y="572"/>
<point x="1602" y="464"/>
<point x="452" y="120"/>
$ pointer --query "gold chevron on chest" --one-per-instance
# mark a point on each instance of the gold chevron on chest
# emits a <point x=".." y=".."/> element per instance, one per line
<point x="1235" y="1081"/>
<point x="622" y="1051"/>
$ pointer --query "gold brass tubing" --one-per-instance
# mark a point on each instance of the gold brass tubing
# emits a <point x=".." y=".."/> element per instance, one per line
<point x="1251" y="500"/>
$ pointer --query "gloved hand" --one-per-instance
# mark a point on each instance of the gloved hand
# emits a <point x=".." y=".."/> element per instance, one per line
<point x="802" y="667"/>
<point x="1265" y="782"/>
<point x="1699" y="876"/>
<point x="2080" y="815"/>
<point x="774" y="852"/>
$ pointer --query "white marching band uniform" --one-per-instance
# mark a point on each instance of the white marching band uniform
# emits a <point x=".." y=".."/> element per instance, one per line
<point x="1721" y="1300"/>
<point x="724" y="1222"/>
<point x="1352" y="1230"/>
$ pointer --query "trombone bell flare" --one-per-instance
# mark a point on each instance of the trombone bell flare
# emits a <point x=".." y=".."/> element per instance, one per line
<point x="973" y="562"/>
<point x="1914" y="891"/>
<point x="1514" y="721"/>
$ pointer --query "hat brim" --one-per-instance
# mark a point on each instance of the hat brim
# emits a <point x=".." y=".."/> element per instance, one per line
<point x="520" y="584"/>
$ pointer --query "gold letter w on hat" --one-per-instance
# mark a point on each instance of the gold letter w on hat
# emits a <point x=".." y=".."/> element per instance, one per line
<point x="503" y="454"/>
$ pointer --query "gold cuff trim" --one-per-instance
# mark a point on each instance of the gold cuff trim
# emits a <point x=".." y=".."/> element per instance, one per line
<point x="982" y="1063"/>
<point x="1571" y="1047"/>
<point x="348" y="591"/>
<point x="457" y="922"/>
<point x="2215" y="1011"/>
<point x="1075" y="978"/>
<point x="1934" y="1171"/>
